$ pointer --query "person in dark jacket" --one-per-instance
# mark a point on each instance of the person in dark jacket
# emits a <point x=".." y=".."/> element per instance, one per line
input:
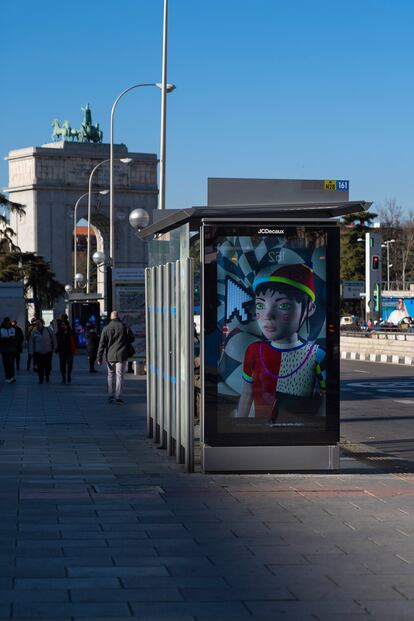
<point x="115" y="345"/>
<point x="92" y="343"/>
<point x="8" y="346"/>
<point x="65" y="349"/>
<point x="31" y="326"/>
<point x="62" y="318"/>
<point x="19" y="342"/>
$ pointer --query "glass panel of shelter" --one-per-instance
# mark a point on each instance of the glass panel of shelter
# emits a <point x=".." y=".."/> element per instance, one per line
<point x="169" y="394"/>
<point x="149" y="337"/>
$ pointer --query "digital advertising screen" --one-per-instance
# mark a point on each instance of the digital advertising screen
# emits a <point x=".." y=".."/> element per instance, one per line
<point x="271" y="335"/>
<point x="85" y="316"/>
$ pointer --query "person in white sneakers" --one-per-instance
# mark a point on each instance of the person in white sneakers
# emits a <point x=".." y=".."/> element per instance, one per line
<point x="116" y="346"/>
<point x="8" y="347"/>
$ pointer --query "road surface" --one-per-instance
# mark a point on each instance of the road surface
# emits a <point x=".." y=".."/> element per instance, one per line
<point x="377" y="412"/>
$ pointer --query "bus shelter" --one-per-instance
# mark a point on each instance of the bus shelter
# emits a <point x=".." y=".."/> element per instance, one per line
<point x="242" y="335"/>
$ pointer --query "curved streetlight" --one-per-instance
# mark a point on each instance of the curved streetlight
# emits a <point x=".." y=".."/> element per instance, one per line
<point x="99" y="258"/>
<point x="124" y="160"/>
<point x="168" y="88"/>
<point x="75" y="221"/>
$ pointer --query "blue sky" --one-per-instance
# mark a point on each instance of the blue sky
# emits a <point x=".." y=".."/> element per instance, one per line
<point x="265" y="88"/>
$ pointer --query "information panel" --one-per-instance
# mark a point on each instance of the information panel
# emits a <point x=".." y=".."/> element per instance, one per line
<point x="271" y="352"/>
<point x="130" y="303"/>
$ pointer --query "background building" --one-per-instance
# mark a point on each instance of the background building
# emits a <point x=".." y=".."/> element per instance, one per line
<point x="48" y="180"/>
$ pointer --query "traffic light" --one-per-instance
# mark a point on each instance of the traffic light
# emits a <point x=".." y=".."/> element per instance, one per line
<point x="375" y="262"/>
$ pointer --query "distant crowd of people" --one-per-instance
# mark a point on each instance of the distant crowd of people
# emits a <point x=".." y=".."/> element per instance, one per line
<point x="114" y="345"/>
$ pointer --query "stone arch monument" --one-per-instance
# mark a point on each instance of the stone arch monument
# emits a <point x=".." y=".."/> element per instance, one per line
<point x="48" y="180"/>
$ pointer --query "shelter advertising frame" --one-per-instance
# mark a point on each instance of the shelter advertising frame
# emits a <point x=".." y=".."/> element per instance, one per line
<point x="290" y="417"/>
<point x="231" y="439"/>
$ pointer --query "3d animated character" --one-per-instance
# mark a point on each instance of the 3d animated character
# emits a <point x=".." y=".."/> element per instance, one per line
<point x="283" y="372"/>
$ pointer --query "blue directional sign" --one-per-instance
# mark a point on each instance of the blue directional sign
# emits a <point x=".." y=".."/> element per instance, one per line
<point x="342" y="184"/>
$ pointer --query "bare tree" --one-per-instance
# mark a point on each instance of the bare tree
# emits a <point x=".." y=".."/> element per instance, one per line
<point x="390" y="214"/>
<point x="407" y="245"/>
<point x="395" y="225"/>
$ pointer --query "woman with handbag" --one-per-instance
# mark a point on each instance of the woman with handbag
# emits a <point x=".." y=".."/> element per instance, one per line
<point x="65" y="347"/>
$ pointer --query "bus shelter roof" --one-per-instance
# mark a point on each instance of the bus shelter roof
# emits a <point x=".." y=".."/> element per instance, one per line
<point x="170" y="219"/>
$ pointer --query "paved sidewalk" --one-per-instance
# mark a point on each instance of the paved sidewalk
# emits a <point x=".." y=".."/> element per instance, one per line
<point x="97" y="523"/>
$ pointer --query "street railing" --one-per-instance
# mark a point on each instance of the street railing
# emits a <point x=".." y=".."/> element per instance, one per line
<point x="391" y="335"/>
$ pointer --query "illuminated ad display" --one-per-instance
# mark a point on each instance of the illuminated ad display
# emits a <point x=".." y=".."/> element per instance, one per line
<point x="271" y="335"/>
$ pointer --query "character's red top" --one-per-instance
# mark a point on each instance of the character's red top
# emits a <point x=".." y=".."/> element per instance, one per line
<point x="291" y="370"/>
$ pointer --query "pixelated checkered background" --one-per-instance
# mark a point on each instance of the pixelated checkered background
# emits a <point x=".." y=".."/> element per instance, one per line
<point x="242" y="259"/>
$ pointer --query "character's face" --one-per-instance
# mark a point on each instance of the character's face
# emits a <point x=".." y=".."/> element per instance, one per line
<point x="278" y="316"/>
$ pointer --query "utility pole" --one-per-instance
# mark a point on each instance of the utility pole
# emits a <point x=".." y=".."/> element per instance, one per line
<point x="373" y="275"/>
<point x="163" y="137"/>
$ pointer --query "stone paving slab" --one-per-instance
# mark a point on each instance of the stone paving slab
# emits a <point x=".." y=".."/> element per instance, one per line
<point x="45" y="610"/>
<point x="97" y="523"/>
<point x="160" y="594"/>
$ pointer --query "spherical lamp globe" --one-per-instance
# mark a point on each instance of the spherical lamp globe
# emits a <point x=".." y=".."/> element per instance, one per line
<point x="139" y="219"/>
<point x="98" y="257"/>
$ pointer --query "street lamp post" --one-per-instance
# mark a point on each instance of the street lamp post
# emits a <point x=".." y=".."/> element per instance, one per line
<point x="364" y="312"/>
<point x="124" y="160"/>
<point x="88" y="245"/>
<point x="168" y="89"/>
<point x="75" y="221"/>
<point x="163" y="136"/>
<point x="386" y="245"/>
<point x="100" y="260"/>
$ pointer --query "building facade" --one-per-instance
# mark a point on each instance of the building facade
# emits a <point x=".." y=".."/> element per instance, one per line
<point x="48" y="181"/>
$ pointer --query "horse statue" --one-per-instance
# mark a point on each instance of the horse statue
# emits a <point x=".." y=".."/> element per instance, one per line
<point x="63" y="131"/>
<point x="89" y="132"/>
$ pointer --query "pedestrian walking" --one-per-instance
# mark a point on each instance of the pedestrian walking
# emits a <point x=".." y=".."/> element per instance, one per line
<point x="92" y="344"/>
<point x="62" y="318"/>
<point x="115" y="345"/>
<point x="65" y="347"/>
<point x="19" y="342"/>
<point x="8" y="346"/>
<point x="29" y="331"/>
<point x="42" y="344"/>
